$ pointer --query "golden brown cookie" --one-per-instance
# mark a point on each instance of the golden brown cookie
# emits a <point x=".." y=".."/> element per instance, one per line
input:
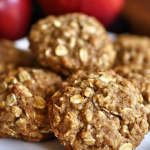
<point x="140" y="77"/>
<point x="10" y="57"/>
<point x="95" y="110"/>
<point x="70" y="42"/>
<point x="132" y="49"/>
<point x="24" y="94"/>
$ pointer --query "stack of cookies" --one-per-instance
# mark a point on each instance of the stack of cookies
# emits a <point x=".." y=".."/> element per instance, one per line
<point x="36" y="104"/>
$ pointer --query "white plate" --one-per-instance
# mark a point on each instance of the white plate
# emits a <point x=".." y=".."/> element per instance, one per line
<point x="14" y="144"/>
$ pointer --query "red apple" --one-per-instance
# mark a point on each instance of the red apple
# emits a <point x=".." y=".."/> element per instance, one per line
<point x="15" y="17"/>
<point x="105" y="11"/>
<point x="57" y="7"/>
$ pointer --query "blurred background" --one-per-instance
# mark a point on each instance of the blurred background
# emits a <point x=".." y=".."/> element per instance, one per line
<point x="118" y="16"/>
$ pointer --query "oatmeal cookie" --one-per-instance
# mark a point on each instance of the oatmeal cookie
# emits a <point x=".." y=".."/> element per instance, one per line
<point x="132" y="49"/>
<point x="70" y="42"/>
<point x="140" y="77"/>
<point x="10" y="57"/>
<point x="97" y="110"/>
<point x="24" y="94"/>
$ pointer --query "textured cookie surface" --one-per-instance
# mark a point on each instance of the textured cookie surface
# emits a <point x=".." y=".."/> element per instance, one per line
<point x="70" y="42"/>
<point x="10" y="57"/>
<point x="132" y="49"/>
<point x="98" y="110"/>
<point x="24" y="94"/>
<point x="140" y="77"/>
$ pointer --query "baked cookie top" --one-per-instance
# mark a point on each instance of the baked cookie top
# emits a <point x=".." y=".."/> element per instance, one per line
<point x="98" y="110"/>
<point x="24" y="94"/>
<point x="132" y="49"/>
<point x="70" y="42"/>
<point x="11" y="58"/>
<point x="140" y="77"/>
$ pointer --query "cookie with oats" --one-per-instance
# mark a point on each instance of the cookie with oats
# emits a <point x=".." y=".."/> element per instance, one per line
<point x="10" y="57"/>
<point x="97" y="110"/>
<point x="140" y="77"/>
<point x="70" y="42"/>
<point x="24" y="94"/>
<point x="132" y="49"/>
